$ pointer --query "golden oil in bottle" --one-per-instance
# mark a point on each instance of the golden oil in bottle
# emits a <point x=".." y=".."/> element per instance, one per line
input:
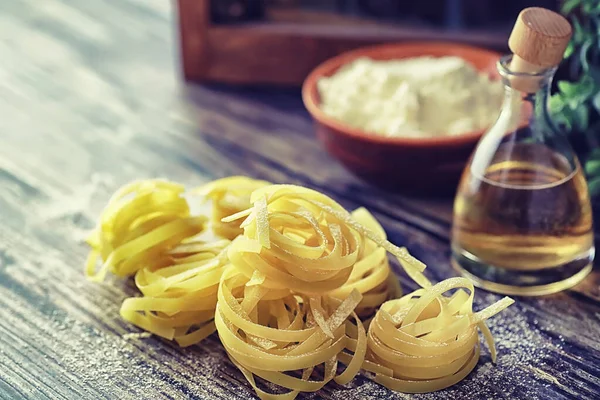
<point x="524" y="225"/>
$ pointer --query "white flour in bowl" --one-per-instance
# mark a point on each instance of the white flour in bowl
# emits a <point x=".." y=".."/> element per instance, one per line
<point x="415" y="97"/>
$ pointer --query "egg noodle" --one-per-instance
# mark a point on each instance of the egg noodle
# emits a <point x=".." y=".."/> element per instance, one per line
<point x="424" y="341"/>
<point x="299" y="290"/>
<point x="229" y="196"/>
<point x="141" y="221"/>
<point x="180" y="293"/>
<point x="371" y="275"/>
<point x="270" y="332"/>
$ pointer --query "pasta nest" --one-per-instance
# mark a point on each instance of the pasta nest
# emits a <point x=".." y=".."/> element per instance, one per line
<point x="425" y="341"/>
<point x="284" y="337"/>
<point x="179" y="293"/>
<point x="142" y="221"/>
<point x="299" y="239"/>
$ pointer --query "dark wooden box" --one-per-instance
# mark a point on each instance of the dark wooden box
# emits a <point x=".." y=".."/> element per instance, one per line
<point x="283" y="46"/>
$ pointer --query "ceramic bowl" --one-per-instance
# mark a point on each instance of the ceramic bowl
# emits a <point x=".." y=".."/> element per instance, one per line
<point x="431" y="165"/>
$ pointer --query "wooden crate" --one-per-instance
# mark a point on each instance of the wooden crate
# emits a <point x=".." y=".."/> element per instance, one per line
<point x="286" y="47"/>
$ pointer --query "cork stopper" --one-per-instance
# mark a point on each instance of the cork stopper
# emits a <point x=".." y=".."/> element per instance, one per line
<point x="538" y="42"/>
<point x="540" y="37"/>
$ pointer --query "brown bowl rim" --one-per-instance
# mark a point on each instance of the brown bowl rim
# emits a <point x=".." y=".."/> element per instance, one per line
<point x="310" y="95"/>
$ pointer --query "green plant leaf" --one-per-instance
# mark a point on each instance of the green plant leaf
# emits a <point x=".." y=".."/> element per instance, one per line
<point x="583" y="54"/>
<point x="589" y="7"/>
<point x="577" y="93"/>
<point x="568" y="89"/>
<point x="565" y="119"/>
<point x="569" y="6"/>
<point x="582" y="117"/>
<point x="578" y="32"/>
<point x="592" y="168"/>
<point x="594" y="187"/>
<point x="556" y="104"/>
<point x="569" y="50"/>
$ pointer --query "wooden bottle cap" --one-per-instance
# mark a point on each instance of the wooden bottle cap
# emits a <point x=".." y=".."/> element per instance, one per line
<point x="539" y="38"/>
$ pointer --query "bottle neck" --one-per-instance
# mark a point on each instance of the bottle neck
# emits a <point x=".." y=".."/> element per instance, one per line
<point x="524" y="116"/>
<point x="527" y="94"/>
<point x="536" y="101"/>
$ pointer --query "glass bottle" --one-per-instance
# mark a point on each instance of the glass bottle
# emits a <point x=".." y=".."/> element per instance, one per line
<point x="522" y="215"/>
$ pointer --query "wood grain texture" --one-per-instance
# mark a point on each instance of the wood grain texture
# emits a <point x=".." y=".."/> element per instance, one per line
<point x="90" y="99"/>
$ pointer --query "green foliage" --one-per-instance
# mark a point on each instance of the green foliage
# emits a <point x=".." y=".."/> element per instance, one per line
<point x="576" y="105"/>
<point x="592" y="170"/>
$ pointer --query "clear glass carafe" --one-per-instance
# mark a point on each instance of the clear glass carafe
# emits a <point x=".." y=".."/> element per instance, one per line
<point x="522" y="215"/>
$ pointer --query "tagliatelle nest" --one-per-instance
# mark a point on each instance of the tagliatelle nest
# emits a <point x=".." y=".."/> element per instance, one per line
<point x="299" y="239"/>
<point x="425" y="341"/>
<point x="179" y="293"/>
<point x="142" y="221"/>
<point x="269" y="333"/>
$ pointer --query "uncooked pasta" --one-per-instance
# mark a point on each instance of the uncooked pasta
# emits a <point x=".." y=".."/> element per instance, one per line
<point x="371" y="274"/>
<point x="272" y="334"/>
<point x="285" y="284"/>
<point x="302" y="246"/>
<point x="425" y="341"/>
<point x="229" y="196"/>
<point x="299" y="239"/>
<point x="179" y="293"/>
<point x="141" y="221"/>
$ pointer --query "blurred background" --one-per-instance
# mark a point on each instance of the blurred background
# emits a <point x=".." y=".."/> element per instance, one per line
<point x="285" y="39"/>
<point x="495" y="17"/>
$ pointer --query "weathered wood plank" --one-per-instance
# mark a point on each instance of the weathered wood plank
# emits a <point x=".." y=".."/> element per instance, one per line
<point x="90" y="99"/>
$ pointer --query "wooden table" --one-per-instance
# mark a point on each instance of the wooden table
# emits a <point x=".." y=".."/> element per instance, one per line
<point x="90" y="99"/>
